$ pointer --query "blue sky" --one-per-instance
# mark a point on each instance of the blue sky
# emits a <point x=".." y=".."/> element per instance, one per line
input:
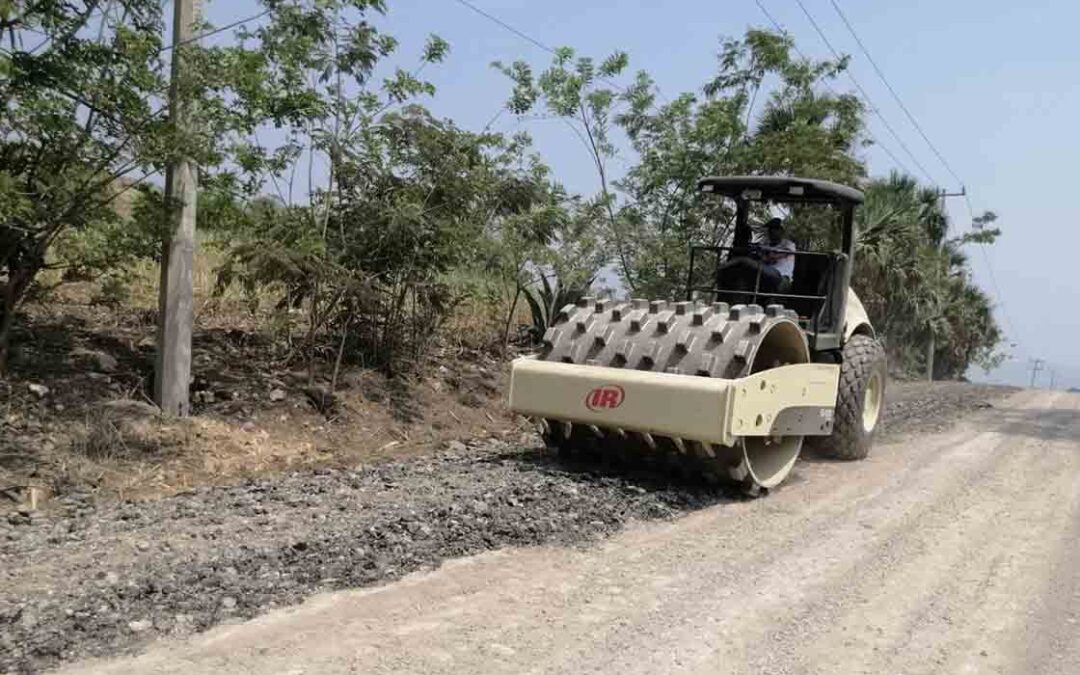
<point x="993" y="84"/>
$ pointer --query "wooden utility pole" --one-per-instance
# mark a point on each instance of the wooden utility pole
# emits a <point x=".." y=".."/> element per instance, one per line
<point x="931" y="347"/>
<point x="931" y="344"/>
<point x="175" y="293"/>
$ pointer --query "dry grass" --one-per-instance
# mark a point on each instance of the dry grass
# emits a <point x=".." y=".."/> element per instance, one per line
<point x="146" y="455"/>
<point x="476" y="323"/>
<point x="103" y="438"/>
<point x="230" y="308"/>
<point x="122" y="448"/>
<point x="125" y="450"/>
<point x="480" y="324"/>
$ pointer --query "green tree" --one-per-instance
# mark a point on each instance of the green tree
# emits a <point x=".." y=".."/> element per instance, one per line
<point x="653" y="211"/>
<point x="762" y="113"/>
<point x="306" y="78"/>
<point x="576" y="90"/>
<point x="765" y="111"/>
<point x="396" y="213"/>
<point x="540" y="235"/>
<point x="84" y="129"/>
<point x="79" y="87"/>
<point x="914" y="280"/>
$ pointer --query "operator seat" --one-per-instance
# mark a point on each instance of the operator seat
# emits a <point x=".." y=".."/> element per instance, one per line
<point x="811" y="277"/>
<point x="737" y="277"/>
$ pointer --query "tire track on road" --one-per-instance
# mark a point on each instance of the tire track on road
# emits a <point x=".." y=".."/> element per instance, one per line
<point x="958" y="568"/>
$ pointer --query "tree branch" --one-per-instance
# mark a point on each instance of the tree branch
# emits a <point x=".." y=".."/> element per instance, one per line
<point x="608" y="207"/>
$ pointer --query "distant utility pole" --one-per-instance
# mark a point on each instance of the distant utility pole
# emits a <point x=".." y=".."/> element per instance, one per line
<point x="175" y="293"/>
<point x="931" y="344"/>
<point x="1036" y="366"/>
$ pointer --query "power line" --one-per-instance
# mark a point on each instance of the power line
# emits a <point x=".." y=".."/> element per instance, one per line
<point x="993" y="279"/>
<point x="551" y="50"/>
<point x="937" y="153"/>
<point x="540" y="45"/>
<point x="200" y="36"/>
<point x="164" y="49"/>
<point x="866" y="96"/>
<point x="997" y="292"/>
<point x="1037" y="366"/>
<point x="967" y="200"/>
<point x="885" y="148"/>
<point x="194" y="38"/>
<point x="1010" y="325"/>
<point x="929" y="143"/>
<point x="892" y="91"/>
<point x="521" y="34"/>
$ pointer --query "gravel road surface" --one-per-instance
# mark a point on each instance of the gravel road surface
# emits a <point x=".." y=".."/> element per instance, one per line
<point x="954" y="552"/>
<point x="94" y="580"/>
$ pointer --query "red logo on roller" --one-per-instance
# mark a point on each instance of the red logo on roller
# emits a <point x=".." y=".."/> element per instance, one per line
<point x="607" y="397"/>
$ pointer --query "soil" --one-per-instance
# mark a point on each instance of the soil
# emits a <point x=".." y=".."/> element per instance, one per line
<point x="92" y="577"/>
<point x="61" y="432"/>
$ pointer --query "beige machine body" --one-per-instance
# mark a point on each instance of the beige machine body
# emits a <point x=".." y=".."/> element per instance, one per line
<point x="789" y="400"/>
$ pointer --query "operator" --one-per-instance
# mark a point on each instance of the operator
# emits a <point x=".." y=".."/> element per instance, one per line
<point x="777" y="256"/>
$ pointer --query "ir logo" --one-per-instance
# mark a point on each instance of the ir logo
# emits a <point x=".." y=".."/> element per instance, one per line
<point x="607" y="397"/>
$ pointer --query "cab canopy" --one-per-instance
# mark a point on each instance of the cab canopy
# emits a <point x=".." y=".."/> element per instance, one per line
<point x="780" y="189"/>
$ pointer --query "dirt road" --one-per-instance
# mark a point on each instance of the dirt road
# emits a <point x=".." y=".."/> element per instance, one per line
<point x="952" y="552"/>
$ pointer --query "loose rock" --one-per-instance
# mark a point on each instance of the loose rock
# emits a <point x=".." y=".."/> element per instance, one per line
<point x="456" y="446"/>
<point x="276" y="541"/>
<point x="105" y="363"/>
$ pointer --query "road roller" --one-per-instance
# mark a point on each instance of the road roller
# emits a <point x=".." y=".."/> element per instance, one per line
<point x="728" y="383"/>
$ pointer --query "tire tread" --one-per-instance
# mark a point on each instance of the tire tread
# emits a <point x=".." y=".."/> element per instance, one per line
<point x="849" y="441"/>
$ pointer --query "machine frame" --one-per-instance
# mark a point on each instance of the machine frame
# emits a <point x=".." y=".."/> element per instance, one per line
<point x="825" y="325"/>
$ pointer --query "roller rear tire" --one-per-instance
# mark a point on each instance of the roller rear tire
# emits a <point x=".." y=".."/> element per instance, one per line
<point x="859" y="402"/>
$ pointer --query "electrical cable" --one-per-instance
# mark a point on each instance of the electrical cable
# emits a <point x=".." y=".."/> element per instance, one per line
<point x="875" y="139"/>
<point x="865" y="95"/>
<point x="200" y="36"/>
<point x="896" y="97"/>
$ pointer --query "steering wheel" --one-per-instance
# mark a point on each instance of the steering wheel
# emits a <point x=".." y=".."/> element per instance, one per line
<point x="755" y="252"/>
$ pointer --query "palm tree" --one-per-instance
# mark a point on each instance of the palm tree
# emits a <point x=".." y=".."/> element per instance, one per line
<point x="913" y="280"/>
